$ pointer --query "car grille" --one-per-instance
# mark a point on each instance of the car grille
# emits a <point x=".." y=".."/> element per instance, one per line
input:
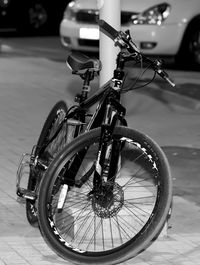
<point x="87" y="16"/>
<point x="85" y="42"/>
<point x="91" y="16"/>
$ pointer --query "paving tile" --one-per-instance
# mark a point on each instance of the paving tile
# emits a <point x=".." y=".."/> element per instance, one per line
<point x="25" y="101"/>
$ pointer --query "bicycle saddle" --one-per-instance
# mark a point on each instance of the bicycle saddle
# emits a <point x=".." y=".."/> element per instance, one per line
<point x="78" y="61"/>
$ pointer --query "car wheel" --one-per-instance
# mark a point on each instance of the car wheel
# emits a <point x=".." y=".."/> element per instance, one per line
<point x="194" y="46"/>
<point x="37" y="16"/>
<point x="34" y="18"/>
<point x="189" y="54"/>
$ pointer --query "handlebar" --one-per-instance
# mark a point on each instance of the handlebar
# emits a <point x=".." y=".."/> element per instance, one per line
<point x="108" y="29"/>
<point x="124" y="40"/>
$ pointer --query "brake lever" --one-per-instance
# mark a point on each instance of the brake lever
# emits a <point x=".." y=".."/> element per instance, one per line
<point x="165" y="76"/>
<point x="121" y="40"/>
<point x="125" y="40"/>
<point x="157" y="67"/>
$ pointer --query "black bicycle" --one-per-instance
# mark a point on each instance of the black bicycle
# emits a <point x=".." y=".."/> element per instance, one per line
<point x="105" y="196"/>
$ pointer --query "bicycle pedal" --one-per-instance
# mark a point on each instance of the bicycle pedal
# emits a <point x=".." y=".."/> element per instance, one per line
<point x="23" y="173"/>
<point x="26" y="194"/>
<point x="42" y="164"/>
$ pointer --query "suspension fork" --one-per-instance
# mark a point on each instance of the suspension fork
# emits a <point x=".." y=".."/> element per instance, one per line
<point x="109" y="149"/>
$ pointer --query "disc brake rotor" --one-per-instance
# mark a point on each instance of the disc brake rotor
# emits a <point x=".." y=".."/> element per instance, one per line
<point x="108" y="202"/>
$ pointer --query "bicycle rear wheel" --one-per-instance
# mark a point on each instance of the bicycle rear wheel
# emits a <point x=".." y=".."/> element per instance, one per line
<point x="54" y="119"/>
<point x="124" y="219"/>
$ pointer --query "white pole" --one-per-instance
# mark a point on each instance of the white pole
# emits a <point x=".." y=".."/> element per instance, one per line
<point x="110" y="11"/>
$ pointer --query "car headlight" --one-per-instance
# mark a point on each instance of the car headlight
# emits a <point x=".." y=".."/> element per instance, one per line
<point x="70" y="11"/>
<point x="153" y="16"/>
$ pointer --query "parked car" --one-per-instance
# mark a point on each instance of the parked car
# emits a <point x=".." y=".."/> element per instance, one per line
<point x="158" y="27"/>
<point x="31" y="16"/>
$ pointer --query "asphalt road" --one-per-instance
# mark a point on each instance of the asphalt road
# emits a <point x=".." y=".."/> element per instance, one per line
<point x="46" y="46"/>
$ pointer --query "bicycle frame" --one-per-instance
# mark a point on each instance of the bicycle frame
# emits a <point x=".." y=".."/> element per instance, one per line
<point x="104" y="197"/>
<point x="108" y="112"/>
<point x="76" y="116"/>
<point x="111" y="89"/>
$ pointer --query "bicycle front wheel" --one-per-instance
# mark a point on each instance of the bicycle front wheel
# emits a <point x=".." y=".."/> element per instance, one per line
<point x="54" y="119"/>
<point x="124" y="219"/>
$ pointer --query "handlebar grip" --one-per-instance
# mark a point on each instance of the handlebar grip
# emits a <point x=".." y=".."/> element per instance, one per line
<point x="108" y="29"/>
<point x="165" y="76"/>
<point x="170" y="82"/>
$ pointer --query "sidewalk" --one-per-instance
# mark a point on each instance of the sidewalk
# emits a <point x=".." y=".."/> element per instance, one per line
<point x="29" y="87"/>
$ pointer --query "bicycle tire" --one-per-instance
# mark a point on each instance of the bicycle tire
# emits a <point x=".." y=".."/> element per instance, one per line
<point x="142" y="158"/>
<point x="56" y="115"/>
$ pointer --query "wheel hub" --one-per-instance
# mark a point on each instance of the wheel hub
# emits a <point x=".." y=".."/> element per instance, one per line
<point x="108" y="202"/>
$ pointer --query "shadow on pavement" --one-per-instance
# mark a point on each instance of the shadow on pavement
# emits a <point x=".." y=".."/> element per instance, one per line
<point x="185" y="167"/>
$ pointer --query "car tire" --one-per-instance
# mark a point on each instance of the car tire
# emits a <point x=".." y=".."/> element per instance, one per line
<point x="35" y="19"/>
<point x="189" y="54"/>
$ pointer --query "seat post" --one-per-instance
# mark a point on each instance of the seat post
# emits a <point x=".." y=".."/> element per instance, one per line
<point x="88" y="76"/>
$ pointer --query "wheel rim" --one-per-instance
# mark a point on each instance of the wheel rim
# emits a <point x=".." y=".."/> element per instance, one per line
<point x="61" y="139"/>
<point x="87" y="225"/>
<point x="50" y="152"/>
<point x="37" y="16"/>
<point x="194" y="47"/>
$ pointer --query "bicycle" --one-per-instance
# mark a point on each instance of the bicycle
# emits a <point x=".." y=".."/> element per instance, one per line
<point x="107" y="195"/>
